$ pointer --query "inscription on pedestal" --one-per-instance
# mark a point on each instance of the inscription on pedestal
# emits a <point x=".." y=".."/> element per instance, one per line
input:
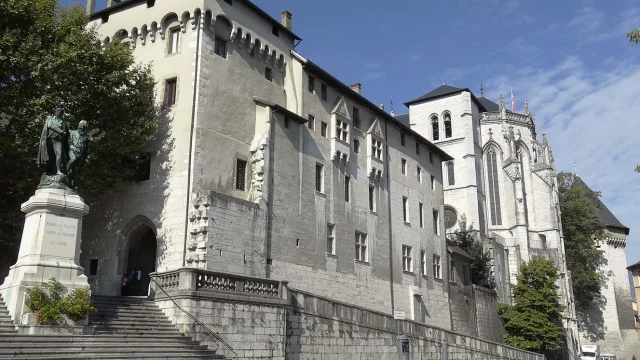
<point x="60" y="231"/>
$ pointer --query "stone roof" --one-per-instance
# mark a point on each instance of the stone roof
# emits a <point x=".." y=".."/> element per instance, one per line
<point x="603" y="213"/>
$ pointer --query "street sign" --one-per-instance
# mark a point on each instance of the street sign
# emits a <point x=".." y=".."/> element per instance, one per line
<point x="398" y="314"/>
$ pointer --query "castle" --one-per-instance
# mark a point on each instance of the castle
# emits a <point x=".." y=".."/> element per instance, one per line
<point x="271" y="167"/>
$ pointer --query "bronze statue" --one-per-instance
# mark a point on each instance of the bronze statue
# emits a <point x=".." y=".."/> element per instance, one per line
<point x="54" y="147"/>
<point x="62" y="153"/>
<point x="78" y="151"/>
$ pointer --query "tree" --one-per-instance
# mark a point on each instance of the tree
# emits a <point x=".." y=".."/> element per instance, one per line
<point x="466" y="238"/>
<point x="634" y="36"/>
<point x="580" y="228"/>
<point x="533" y="323"/>
<point x="48" y="56"/>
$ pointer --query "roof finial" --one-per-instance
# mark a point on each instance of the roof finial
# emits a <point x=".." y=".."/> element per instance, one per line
<point x="501" y="101"/>
<point x="391" y="101"/>
<point x="481" y="90"/>
<point x="443" y="82"/>
<point x="575" y="166"/>
<point x="526" y="107"/>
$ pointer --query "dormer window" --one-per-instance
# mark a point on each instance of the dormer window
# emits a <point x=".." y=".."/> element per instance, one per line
<point x="342" y="130"/>
<point x="376" y="149"/>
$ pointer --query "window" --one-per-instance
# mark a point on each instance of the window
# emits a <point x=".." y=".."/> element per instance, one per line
<point x="323" y="92"/>
<point x="404" y="166"/>
<point x="421" y="214"/>
<point x="437" y="267"/>
<point x="93" y="267"/>
<point x="323" y="129"/>
<point x="356" y="117"/>
<point x="241" y="174"/>
<point x="494" y="188"/>
<point x="433" y="182"/>
<point x="430" y="157"/>
<point x="170" y="89"/>
<point x="220" y="47"/>
<point x="347" y="196"/>
<point x="435" y="128"/>
<point x="342" y="132"/>
<point x="543" y="241"/>
<point x="319" y="177"/>
<point x="174" y="40"/>
<point x="407" y="261"/>
<point x="361" y="247"/>
<point x="436" y="222"/>
<point x="405" y="209"/>
<point x="372" y="198"/>
<point x="452" y="270"/>
<point x="419" y="174"/>
<point x="331" y="241"/>
<point x="376" y="149"/>
<point x="423" y="263"/>
<point x="268" y="74"/>
<point x="312" y="83"/>
<point x="275" y="31"/>
<point x="417" y="148"/>
<point x="286" y="122"/>
<point x="447" y="125"/>
<point x="356" y="146"/>
<point x="464" y="274"/>
<point x="450" y="173"/>
<point x="311" y="122"/>
<point x="403" y="140"/>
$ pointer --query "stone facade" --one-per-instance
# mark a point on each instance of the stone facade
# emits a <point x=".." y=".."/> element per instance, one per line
<point x="501" y="178"/>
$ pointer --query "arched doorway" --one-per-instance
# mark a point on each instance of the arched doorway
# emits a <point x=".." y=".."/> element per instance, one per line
<point x="141" y="261"/>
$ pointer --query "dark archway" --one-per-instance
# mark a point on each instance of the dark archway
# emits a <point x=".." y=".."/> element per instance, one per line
<point x="141" y="261"/>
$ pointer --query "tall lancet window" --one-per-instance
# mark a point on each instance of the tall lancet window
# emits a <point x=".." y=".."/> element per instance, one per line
<point x="435" y="125"/>
<point x="447" y="125"/>
<point x="450" y="173"/>
<point x="494" y="188"/>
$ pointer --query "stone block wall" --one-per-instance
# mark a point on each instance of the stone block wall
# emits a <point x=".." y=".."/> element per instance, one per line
<point x="463" y="309"/>
<point x="488" y="323"/>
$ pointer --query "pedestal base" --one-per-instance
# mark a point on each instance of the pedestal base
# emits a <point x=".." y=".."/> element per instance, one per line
<point x="50" y="247"/>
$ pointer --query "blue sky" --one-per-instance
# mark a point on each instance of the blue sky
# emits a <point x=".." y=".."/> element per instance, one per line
<point x="570" y="58"/>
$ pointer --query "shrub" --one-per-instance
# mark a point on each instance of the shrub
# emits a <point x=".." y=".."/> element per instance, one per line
<point x="49" y="304"/>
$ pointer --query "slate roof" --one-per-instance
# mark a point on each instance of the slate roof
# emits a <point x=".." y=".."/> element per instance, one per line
<point x="634" y="266"/>
<point x="488" y="104"/>
<point x="603" y="213"/>
<point x="454" y="249"/>
<point x="404" y="118"/>
<point x="445" y="90"/>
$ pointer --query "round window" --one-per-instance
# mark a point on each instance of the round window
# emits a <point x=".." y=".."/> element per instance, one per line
<point x="450" y="217"/>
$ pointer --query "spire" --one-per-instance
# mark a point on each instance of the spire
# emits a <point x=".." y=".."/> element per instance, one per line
<point x="513" y="102"/>
<point x="391" y="101"/>
<point x="481" y="90"/>
<point x="501" y="101"/>
<point x="526" y="107"/>
<point x="575" y="166"/>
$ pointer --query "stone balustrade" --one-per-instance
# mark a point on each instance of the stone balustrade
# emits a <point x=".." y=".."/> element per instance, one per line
<point x="202" y="281"/>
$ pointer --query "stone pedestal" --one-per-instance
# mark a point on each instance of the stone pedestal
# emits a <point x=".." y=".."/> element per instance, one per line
<point x="50" y="247"/>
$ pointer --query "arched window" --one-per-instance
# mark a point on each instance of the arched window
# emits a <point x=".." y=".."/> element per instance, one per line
<point x="494" y="188"/>
<point x="436" y="128"/>
<point x="447" y="125"/>
<point x="543" y="241"/>
<point x="450" y="173"/>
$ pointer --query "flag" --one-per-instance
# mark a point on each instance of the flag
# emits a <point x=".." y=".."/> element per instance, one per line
<point x="513" y="102"/>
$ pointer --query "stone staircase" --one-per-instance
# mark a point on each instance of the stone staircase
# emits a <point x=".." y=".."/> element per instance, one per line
<point x="125" y="328"/>
<point x="6" y="324"/>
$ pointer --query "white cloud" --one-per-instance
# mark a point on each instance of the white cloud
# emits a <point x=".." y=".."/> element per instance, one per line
<point x="373" y="75"/>
<point x="592" y="25"/>
<point x="594" y="114"/>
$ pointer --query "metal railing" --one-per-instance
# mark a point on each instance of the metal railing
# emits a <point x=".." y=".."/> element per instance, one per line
<point x="211" y="332"/>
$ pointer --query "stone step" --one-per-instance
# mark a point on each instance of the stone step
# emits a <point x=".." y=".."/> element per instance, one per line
<point x="94" y="356"/>
<point x="131" y="321"/>
<point x="99" y="342"/>
<point x="103" y="337"/>
<point x="110" y="347"/>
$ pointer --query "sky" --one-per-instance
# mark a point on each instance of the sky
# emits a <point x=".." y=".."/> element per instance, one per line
<point x="569" y="58"/>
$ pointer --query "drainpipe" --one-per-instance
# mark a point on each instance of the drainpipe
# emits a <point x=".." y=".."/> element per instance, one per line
<point x="388" y="176"/>
<point x="194" y="109"/>
<point x="270" y="167"/>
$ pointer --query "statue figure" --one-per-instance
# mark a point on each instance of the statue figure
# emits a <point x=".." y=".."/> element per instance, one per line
<point x="53" y="152"/>
<point x="78" y="151"/>
<point x="61" y="153"/>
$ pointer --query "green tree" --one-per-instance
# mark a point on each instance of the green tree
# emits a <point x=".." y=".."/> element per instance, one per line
<point x="634" y="36"/>
<point x="580" y="228"/>
<point x="48" y="56"/>
<point x="467" y="239"/>
<point x="534" y="322"/>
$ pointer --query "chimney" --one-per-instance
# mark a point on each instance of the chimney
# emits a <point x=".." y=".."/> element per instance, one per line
<point x="392" y="113"/>
<point x="357" y="87"/>
<point x="91" y="7"/>
<point x="382" y="106"/>
<point x="285" y="19"/>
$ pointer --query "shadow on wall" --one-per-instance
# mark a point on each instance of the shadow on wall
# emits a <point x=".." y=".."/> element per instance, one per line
<point x="111" y="214"/>
<point x="591" y="322"/>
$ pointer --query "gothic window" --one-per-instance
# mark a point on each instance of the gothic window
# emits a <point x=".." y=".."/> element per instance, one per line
<point x="494" y="188"/>
<point x="435" y="126"/>
<point x="447" y="125"/>
<point x="450" y="173"/>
